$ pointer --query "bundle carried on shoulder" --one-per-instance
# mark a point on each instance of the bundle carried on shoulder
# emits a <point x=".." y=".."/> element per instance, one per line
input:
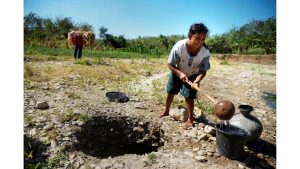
<point x="88" y="37"/>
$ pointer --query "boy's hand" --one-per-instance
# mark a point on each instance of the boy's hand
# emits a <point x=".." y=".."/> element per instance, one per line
<point x="195" y="84"/>
<point x="183" y="77"/>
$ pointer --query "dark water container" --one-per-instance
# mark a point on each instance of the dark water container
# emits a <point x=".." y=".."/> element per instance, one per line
<point x="230" y="141"/>
<point x="247" y="122"/>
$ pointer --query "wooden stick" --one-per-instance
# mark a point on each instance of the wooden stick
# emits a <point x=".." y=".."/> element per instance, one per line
<point x="202" y="92"/>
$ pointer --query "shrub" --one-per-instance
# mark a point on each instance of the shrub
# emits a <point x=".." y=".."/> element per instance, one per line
<point x="256" y="51"/>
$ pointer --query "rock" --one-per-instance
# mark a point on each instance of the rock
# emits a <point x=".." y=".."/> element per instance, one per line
<point x="43" y="139"/>
<point x="217" y="155"/>
<point x="241" y="166"/>
<point x="210" y="154"/>
<point x="195" y="149"/>
<point x="179" y="114"/>
<point x="79" y="123"/>
<point x="139" y="106"/>
<point x="201" y="152"/>
<point x="138" y="129"/>
<point x="32" y="132"/>
<point x="66" y="139"/>
<point x="201" y="158"/>
<point x="189" y="154"/>
<point x="105" y="164"/>
<point x="72" y="156"/>
<point x="48" y="127"/>
<point x="197" y="112"/>
<point x="203" y="145"/>
<point x="202" y="137"/>
<point x="42" y="105"/>
<point x="210" y="130"/>
<point x="260" y="155"/>
<point x="191" y="133"/>
<point x="212" y="139"/>
<point x="146" y="74"/>
<point x="41" y="119"/>
<point x="53" y="144"/>
<point x="77" y="111"/>
<point x="81" y="161"/>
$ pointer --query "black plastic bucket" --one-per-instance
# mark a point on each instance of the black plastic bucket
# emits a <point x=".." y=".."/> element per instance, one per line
<point x="230" y="141"/>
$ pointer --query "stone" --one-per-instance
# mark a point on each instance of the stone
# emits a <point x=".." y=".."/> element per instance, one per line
<point x="212" y="139"/>
<point x="41" y="119"/>
<point x="42" y="105"/>
<point x="48" y="127"/>
<point x="138" y="129"/>
<point x="210" y="130"/>
<point x="201" y="125"/>
<point x="77" y="111"/>
<point x="79" y="123"/>
<point x="179" y="114"/>
<point x="32" y="132"/>
<point x="53" y="144"/>
<point x="201" y="158"/>
<point x="105" y="164"/>
<point x="241" y="166"/>
<point x="201" y="152"/>
<point x="189" y="154"/>
<point x="202" y="137"/>
<point x="72" y="156"/>
<point x="210" y="154"/>
<point x="195" y="149"/>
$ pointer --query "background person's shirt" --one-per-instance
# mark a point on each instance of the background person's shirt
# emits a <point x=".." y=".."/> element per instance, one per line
<point x="79" y="40"/>
<point x="190" y="65"/>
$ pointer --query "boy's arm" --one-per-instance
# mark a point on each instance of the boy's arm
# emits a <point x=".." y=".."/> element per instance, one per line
<point x="179" y="73"/>
<point x="200" y="76"/>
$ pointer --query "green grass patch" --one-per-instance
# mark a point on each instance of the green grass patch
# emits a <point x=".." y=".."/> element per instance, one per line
<point x="67" y="116"/>
<point x="159" y="93"/>
<point x="151" y="159"/>
<point x="83" y="62"/>
<point x="41" y="50"/>
<point x="85" y="117"/>
<point x="72" y="95"/>
<point x="205" y="107"/>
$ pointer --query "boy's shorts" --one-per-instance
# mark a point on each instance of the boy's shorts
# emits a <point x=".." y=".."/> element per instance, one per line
<point x="175" y="85"/>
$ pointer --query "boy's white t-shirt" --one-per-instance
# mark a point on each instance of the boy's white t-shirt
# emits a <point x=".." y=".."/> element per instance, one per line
<point x="190" y="65"/>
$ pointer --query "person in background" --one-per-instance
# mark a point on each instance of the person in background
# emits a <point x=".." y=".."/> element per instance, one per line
<point x="188" y="60"/>
<point x="78" y="41"/>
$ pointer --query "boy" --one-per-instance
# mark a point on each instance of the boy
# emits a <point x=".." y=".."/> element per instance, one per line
<point x="188" y="60"/>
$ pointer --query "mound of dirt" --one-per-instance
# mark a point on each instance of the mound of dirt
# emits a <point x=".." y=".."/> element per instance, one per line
<point x="258" y="59"/>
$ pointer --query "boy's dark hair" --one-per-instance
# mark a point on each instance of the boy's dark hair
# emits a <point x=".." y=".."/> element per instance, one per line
<point x="197" y="28"/>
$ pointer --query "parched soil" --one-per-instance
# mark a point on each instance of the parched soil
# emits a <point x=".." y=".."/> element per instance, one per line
<point x="82" y="129"/>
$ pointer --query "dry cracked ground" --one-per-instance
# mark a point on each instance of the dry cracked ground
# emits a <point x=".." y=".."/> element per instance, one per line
<point x="69" y="122"/>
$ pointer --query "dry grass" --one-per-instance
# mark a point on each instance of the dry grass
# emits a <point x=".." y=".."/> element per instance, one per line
<point x="108" y="71"/>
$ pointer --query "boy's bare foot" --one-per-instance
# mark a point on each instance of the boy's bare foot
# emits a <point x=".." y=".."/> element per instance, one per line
<point x="162" y="114"/>
<point x="188" y="124"/>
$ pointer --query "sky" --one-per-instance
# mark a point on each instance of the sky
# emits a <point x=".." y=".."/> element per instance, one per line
<point x="133" y="18"/>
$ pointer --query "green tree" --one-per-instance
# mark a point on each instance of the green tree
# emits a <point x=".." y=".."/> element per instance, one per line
<point x="85" y="27"/>
<point x="63" y="25"/>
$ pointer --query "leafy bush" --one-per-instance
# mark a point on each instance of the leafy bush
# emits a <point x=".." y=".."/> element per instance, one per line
<point x="256" y="51"/>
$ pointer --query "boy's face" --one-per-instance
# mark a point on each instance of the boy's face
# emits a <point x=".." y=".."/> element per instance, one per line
<point x="197" y="40"/>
